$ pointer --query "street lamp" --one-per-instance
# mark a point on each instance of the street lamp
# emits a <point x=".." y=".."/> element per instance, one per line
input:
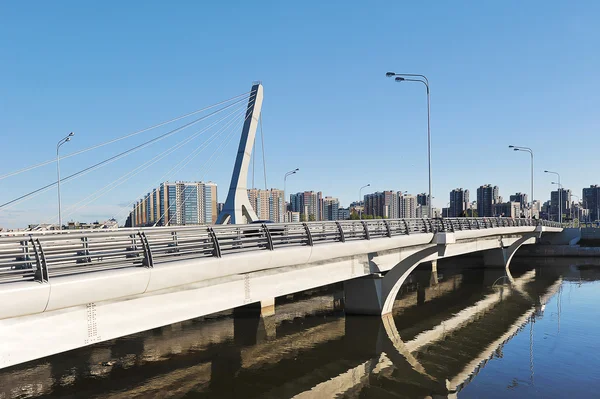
<point x="530" y="151"/>
<point x="359" y="196"/>
<point x="559" y="195"/>
<point x="400" y="77"/>
<point x="291" y="172"/>
<point x="60" y="143"/>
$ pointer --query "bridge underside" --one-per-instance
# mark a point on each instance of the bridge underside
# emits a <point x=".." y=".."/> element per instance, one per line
<point x="256" y="277"/>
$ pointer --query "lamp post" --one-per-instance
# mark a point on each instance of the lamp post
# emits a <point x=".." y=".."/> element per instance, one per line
<point x="58" y="145"/>
<point x="530" y="151"/>
<point x="400" y="77"/>
<point x="359" y="196"/>
<point x="559" y="195"/>
<point x="291" y="172"/>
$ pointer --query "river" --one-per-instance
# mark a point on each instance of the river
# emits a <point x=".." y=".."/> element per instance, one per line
<point x="467" y="332"/>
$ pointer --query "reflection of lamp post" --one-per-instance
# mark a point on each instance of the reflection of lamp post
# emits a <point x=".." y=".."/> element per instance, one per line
<point x="530" y="151"/>
<point x="359" y="196"/>
<point x="60" y="143"/>
<point x="400" y="77"/>
<point x="559" y="196"/>
<point x="291" y="172"/>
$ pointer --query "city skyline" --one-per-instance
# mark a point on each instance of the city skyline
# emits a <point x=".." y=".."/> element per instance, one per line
<point x="485" y="83"/>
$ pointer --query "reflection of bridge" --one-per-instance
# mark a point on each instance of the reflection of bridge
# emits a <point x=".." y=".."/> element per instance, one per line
<point x="308" y="355"/>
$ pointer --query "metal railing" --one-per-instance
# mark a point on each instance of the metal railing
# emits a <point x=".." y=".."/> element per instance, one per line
<point x="38" y="256"/>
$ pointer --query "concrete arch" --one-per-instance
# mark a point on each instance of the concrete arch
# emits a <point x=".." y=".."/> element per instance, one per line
<point x="394" y="279"/>
<point x="375" y="294"/>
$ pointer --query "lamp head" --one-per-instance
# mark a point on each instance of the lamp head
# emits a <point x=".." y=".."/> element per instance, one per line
<point x="399" y="78"/>
<point x="68" y="139"/>
<point x="389" y="74"/>
<point x="545" y="171"/>
<point x="511" y="146"/>
<point x="71" y="134"/>
<point x="297" y="169"/>
<point x="369" y="185"/>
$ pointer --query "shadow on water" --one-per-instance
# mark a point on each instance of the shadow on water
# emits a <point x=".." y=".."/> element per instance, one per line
<point x="443" y="331"/>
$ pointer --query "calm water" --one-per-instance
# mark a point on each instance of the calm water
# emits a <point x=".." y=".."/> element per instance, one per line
<point x="475" y="333"/>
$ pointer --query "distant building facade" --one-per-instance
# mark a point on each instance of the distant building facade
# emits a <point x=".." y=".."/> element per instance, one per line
<point x="591" y="200"/>
<point x="268" y="204"/>
<point x="176" y="204"/>
<point x="459" y="201"/>
<point x="487" y="197"/>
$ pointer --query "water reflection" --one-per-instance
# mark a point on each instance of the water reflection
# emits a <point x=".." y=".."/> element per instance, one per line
<point x="444" y="330"/>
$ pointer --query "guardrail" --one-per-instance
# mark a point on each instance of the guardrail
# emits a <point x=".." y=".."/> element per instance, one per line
<point x="38" y="256"/>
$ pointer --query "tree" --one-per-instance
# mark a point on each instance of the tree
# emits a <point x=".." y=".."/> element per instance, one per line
<point x="311" y="218"/>
<point x="302" y="217"/>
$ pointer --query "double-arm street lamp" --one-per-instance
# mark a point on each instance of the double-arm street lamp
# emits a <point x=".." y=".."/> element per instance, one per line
<point x="291" y="172"/>
<point x="559" y="195"/>
<point x="411" y="77"/>
<point x="359" y="198"/>
<point x="60" y="143"/>
<point x="530" y="151"/>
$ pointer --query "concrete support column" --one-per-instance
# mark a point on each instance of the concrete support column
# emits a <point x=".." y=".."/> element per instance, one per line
<point x="364" y="295"/>
<point x="267" y="307"/>
<point x="434" y="273"/>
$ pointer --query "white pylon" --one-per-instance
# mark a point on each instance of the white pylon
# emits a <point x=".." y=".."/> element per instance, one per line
<point x="237" y="206"/>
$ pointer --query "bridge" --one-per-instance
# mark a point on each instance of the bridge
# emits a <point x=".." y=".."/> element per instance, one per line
<point x="62" y="290"/>
<point x="72" y="289"/>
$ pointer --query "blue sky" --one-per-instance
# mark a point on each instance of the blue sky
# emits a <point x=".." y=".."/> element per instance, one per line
<point x="501" y="73"/>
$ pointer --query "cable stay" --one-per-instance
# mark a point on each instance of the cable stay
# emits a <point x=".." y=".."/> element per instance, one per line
<point x="114" y="184"/>
<point x="32" y="167"/>
<point x="117" y="157"/>
<point x="187" y="196"/>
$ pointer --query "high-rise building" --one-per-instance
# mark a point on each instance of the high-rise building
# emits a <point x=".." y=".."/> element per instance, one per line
<point x="487" y="196"/>
<point x="459" y="202"/>
<point x="382" y="204"/>
<point x="268" y="204"/>
<point x="331" y="208"/>
<point x="343" y="213"/>
<point x="591" y="200"/>
<point x="520" y="198"/>
<point x="408" y="206"/>
<point x="510" y="209"/>
<point x="565" y="204"/>
<point x="309" y="204"/>
<point x="422" y="199"/>
<point x="178" y="203"/>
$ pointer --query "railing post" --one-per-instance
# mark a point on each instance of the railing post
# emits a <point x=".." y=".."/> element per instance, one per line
<point x="86" y="249"/>
<point x="215" y="242"/>
<point x="477" y="223"/>
<point x="268" y="235"/>
<point x="406" y="228"/>
<point x="366" y="228"/>
<point x="388" y="229"/>
<point x="340" y="231"/>
<point x="148" y="262"/>
<point x="41" y="274"/>
<point x="308" y="235"/>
